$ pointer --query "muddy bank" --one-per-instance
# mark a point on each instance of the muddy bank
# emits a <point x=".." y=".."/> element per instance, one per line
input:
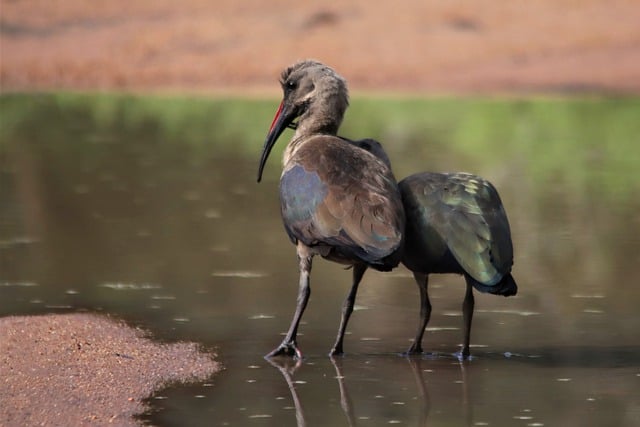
<point x="80" y="369"/>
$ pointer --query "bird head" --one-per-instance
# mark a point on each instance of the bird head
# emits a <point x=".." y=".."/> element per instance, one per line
<point x="315" y="95"/>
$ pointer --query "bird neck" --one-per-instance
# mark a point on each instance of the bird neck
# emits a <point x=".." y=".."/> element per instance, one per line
<point x="323" y="116"/>
<point x="290" y="150"/>
<point x="319" y="119"/>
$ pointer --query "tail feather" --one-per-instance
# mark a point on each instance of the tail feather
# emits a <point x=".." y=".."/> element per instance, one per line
<point x="505" y="287"/>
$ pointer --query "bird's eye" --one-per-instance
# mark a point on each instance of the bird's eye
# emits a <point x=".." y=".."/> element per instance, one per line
<point x="291" y="84"/>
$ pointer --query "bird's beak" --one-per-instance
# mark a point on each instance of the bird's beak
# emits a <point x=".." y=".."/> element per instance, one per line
<point x="283" y="118"/>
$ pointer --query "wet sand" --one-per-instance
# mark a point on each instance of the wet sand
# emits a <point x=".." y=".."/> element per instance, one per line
<point x="81" y="369"/>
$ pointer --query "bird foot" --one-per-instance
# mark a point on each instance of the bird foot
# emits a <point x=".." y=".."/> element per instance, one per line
<point x="463" y="354"/>
<point x="414" y="350"/>
<point x="336" y="351"/>
<point x="289" y="349"/>
<point x="285" y="365"/>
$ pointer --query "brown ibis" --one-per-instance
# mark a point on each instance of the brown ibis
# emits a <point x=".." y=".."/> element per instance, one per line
<point x="455" y="223"/>
<point x="337" y="200"/>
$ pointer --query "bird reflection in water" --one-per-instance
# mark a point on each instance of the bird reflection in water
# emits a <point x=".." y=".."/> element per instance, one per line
<point x="288" y="368"/>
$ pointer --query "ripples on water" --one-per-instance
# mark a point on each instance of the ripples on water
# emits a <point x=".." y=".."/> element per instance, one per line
<point x="140" y="221"/>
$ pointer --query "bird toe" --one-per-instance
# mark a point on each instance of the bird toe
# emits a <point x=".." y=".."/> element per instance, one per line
<point x="286" y="349"/>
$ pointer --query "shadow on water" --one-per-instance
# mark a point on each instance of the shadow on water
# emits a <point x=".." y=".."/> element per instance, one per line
<point x="147" y="209"/>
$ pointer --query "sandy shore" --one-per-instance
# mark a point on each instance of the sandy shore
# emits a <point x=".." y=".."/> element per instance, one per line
<point x="199" y="46"/>
<point x="84" y="369"/>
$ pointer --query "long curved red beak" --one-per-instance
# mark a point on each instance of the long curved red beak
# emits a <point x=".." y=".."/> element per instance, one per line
<point x="280" y="122"/>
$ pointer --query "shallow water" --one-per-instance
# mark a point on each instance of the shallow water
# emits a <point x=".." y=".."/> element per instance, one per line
<point x="178" y="238"/>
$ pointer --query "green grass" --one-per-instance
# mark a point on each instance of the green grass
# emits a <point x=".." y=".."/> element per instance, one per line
<point x="588" y="144"/>
<point x="224" y="122"/>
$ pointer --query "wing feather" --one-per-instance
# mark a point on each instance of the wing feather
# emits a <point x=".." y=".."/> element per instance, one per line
<point x="467" y="214"/>
<point x="338" y="195"/>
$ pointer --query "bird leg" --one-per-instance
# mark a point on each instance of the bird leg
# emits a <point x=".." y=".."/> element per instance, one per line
<point x="347" y="308"/>
<point x="289" y="347"/>
<point x="425" y="312"/>
<point x="467" y="314"/>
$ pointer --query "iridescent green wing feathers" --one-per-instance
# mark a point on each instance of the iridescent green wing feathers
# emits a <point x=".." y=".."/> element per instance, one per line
<point x="467" y="213"/>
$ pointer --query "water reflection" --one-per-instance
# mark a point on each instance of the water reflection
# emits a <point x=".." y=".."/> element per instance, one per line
<point x="288" y="368"/>
<point x="468" y="392"/>
<point x="165" y="228"/>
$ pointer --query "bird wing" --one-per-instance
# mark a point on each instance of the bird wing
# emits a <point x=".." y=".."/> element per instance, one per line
<point x="467" y="213"/>
<point x="337" y="195"/>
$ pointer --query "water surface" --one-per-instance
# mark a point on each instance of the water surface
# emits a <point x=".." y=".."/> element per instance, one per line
<point x="151" y="213"/>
